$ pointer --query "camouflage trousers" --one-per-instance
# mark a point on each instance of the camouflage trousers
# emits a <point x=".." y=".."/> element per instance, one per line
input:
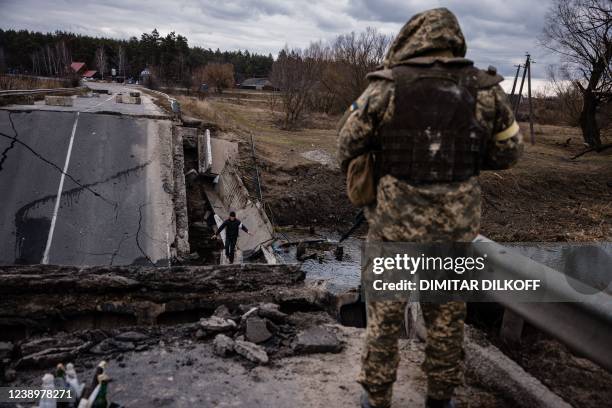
<point x="444" y="354"/>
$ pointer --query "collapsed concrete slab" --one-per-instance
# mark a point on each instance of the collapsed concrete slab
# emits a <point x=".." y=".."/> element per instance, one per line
<point x="230" y="194"/>
<point x="53" y="100"/>
<point x="45" y="297"/>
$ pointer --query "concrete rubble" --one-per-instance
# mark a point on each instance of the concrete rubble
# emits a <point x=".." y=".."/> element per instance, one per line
<point x="257" y="330"/>
<point x="215" y="324"/>
<point x="58" y="100"/>
<point x="224" y="346"/>
<point x="317" y="340"/>
<point x="266" y="340"/>
<point x="251" y="351"/>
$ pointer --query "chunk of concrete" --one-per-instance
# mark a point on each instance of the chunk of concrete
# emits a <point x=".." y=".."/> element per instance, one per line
<point x="216" y="324"/>
<point x="191" y="122"/>
<point x="272" y="311"/>
<point x="251" y="351"/>
<point x="316" y="340"/>
<point x="222" y="312"/>
<point x="256" y="330"/>
<point x="52" y="100"/>
<point x="134" y="100"/>
<point x="223" y="345"/>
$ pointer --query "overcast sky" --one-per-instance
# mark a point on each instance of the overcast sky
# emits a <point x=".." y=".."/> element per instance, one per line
<point x="498" y="32"/>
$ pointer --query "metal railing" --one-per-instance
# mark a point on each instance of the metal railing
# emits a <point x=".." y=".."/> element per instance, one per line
<point x="584" y="323"/>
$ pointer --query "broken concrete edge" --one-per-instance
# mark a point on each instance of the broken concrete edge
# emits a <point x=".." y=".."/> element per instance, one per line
<point x="42" y="92"/>
<point x="161" y="99"/>
<point x="494" y="370"/>
<point x="93" y="112"/>
<point x="180" y="195"/>
<point x="139" y="295"/>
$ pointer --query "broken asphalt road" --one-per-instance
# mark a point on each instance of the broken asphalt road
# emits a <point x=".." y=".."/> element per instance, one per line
<point x="113" y="204"/>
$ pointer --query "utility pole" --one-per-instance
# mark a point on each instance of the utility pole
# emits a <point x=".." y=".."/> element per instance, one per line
<point x="520" y="93"/>
<point x="518" y="69"/>
<point x="529" y="96"/>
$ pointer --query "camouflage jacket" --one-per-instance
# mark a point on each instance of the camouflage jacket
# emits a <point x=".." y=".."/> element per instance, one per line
<point x="448" y="211"/>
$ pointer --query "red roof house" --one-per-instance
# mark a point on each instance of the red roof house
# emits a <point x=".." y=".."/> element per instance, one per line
<point x="89" y="74"/>
<point x="78" y="67"/>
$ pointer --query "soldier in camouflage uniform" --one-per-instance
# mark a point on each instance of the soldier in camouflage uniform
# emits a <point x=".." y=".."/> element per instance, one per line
<point x="434" y="209"/>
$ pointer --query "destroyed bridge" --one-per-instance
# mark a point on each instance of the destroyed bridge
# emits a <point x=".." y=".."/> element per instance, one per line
<point x="103" y="192"/>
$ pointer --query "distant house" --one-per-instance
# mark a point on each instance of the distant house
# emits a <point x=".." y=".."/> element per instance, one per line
<point x="257" y="83"/>
<point x="145" y="75"/>
<point x="78" y="67"/>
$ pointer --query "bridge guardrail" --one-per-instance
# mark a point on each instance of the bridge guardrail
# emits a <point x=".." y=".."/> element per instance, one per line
<point x="584" y="324"/>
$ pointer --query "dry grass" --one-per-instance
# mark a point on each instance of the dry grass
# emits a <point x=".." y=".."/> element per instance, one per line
<point x="252" y="117"/>
<point x="202" y="109"/>
<point x="18" y="82"/>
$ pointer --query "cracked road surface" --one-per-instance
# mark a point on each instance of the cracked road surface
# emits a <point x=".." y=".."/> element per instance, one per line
<point x="85" y="189"/>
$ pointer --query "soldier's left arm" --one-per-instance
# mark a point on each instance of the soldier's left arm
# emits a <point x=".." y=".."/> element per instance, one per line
<point x="506" y="145"/>
<point x="359" y="123"/>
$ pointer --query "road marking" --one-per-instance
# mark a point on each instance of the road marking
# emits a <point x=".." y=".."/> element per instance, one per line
<point x="45" y="259"/>
<point x="95" y="106"/>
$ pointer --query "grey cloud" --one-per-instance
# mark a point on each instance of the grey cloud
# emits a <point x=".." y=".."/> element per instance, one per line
<point x="498" y="31"/>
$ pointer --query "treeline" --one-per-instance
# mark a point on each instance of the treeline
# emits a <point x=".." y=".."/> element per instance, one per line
<point x="169" y="56"/>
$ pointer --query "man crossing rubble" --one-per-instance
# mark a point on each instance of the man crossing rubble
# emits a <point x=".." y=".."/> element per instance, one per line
<point x="232" y="228"/>
<point x="412" y="146"/>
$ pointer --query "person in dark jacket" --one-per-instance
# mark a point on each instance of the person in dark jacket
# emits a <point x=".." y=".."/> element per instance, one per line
<point x="232" y="227"/>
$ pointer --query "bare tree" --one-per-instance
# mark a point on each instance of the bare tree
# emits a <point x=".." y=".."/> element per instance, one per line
<point x="295" y="73"/>
<point x="354" y="56"/>
<point x="121" y="60"/>
<point x="52" y="60"/>
<point x="568" y="95"/>
<point x="219" y="76"/>
<point x="64" y="58"/>
<point x="100" y="59"/>
<point x="581" y="32"/>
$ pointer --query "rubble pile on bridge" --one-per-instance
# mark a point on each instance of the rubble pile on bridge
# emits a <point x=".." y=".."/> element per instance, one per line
<point x="254" y="332"/>
<point x="258" y="313"/>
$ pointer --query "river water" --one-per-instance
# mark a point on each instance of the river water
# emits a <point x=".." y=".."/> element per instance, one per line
<point x="588" y="262"/>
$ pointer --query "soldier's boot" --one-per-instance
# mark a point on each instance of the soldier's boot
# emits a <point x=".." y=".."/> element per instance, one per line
<point x="379" y="400"/>
<point x="436" y="403"/>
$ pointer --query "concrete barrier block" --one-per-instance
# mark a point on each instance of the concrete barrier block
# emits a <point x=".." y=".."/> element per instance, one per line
<point x="103" y="91"/>
<point x="134" y="94"/>
<point x="135" y="100"/>
<point x="58" y="100"/>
